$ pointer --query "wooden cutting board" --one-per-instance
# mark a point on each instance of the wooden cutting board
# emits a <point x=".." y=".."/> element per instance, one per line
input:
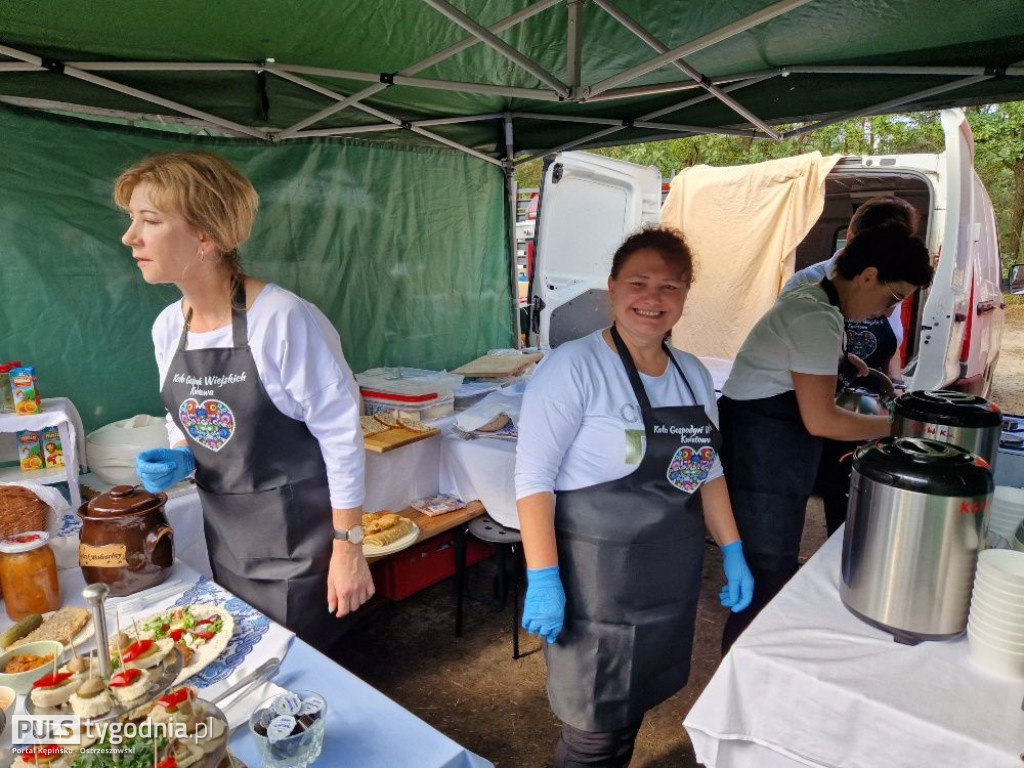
<point x="494" y="366"/>
<point x="382" y="442"/>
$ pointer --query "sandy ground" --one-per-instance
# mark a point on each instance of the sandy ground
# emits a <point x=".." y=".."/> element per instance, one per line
<point x="471" y="689"/>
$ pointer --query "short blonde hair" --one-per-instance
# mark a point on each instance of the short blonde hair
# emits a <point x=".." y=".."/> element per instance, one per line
<point x="205" y="189"/>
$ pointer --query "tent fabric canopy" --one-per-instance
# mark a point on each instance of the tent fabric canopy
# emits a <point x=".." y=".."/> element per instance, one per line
<point x="509" y="79"/>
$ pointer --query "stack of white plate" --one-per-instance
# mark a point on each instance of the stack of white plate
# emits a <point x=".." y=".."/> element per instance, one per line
<point x="1005" y="515"/>
<point x="995" y="626"/>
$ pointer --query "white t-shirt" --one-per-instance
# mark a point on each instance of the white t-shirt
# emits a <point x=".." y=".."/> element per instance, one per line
<point x="802" y="333"/>
<point x="300" y="363"/>
<point x="817" y="272"/>
<point x="580" y="423"/>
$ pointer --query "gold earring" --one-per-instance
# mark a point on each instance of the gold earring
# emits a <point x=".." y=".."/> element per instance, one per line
<point x="202" y="254"/>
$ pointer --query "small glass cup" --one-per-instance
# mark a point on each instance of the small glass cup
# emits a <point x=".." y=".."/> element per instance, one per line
<point x="295" y="751"/>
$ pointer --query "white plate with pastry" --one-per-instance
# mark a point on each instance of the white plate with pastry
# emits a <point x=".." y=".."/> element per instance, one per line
<point x="387" y="532"/>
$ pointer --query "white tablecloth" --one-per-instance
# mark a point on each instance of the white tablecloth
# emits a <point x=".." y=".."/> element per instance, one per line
<point x="809" y="684"/>
<point x="481" y="469"/>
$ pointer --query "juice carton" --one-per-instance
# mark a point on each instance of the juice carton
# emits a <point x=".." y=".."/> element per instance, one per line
<point x="53" y="451"/>
<point x="23" y="387"/>
<point x="30" y="450"/>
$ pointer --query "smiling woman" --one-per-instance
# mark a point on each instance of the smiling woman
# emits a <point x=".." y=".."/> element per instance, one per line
<point x="617" y="475"/>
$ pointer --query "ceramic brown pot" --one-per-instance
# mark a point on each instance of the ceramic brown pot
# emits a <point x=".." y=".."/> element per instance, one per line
<point x="126" y="541"/>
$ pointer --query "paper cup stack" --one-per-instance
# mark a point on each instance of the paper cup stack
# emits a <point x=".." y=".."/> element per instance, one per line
<point x="1005" y="515"/>
<point x="995" y="625"/>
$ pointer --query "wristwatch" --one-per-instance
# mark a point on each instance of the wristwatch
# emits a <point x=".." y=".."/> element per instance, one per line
<point x="353" y="534"/>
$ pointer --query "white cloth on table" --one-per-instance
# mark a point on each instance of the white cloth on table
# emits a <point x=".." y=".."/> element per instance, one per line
<point x="809" y="684"/>
<point x="580" y="415"/>
<point x="301" y="365"/>
<point x="802" y="333"/>
<point x="480" y="469"/>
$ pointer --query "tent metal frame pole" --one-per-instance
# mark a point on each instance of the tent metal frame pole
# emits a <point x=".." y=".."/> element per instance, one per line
<point x="610" y="121"/>
<point x="570" y="144"/>
<point x="574" y="42"/>
<point x="437" y="58"/>
<point x="655" y="90"/>
<point x="723" y="33"/>
<point x="398" y="123"/>
<point x="706" y="96"/>
<point x="17" y="66"/>
<point x="510" y="190"/>
<point x="129" y="117"/>
<point x="493" y="41"/>
<point x="164" y="66"/>
<point x="699" y="77"/>
<point x="885" y="70"/>
<point x="379" y="127"/>
<point x="78" y="74"/>
<point x="418" y="82"/>
<point x="886" y="104"/>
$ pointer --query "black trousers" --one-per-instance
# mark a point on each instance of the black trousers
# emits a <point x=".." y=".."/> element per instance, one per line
<point x="833" y="481"/>
<point x="595" y="749"/>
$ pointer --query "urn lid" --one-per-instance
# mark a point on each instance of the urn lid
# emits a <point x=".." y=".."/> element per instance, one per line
<point x="122" y="500"/>
<point x="953" y="409"/>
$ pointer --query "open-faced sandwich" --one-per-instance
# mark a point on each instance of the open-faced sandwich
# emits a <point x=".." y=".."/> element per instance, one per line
<point x="51" y="691"/>
<point x="200" y="632"/>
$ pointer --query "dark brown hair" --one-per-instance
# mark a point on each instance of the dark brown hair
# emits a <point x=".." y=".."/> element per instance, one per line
<point x="893" y="251"/>
<point x="879" y="211"/>
<point x="666" y="241"/>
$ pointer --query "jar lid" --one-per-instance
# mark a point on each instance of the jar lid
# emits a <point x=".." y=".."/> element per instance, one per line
<point x="953" y="409"/>
<point x="24" y="542"/>
<point x="926" y="466"/>
<point x="124" y="500"/>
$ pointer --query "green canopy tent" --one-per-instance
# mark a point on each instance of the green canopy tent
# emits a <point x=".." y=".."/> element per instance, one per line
<point x="381" y="137"/>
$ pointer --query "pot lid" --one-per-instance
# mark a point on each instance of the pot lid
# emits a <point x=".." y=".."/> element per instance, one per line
<point x="926" y="466"/>
<point x="24" y="542"/>
<point x="954" y="409"/>
<point x="124" y="500"/>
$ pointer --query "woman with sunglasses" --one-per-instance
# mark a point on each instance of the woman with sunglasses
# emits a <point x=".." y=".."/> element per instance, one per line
<point x="779" y="401"/>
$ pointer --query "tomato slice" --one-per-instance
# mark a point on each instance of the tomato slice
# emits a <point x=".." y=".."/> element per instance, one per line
<point x="167" y="762"/>
<point x="174" y="698"/>
<point x="52" y="681"/>
<point x="42" y="754"/>
<point x="136" y="650"/>
<point x="204" y="635"/>
<point x="175" y="634"/>
<point x="129" y="676"/>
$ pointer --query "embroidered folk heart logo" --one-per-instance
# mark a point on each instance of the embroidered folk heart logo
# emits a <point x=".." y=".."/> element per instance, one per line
<point x="690" y="467"/>
<point x="862" y="343"/>
<point x="210" y="423"/>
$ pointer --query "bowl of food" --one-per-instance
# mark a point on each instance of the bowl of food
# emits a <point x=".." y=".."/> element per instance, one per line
<point x="22" y="666"/>
<point x="7" y="697"/>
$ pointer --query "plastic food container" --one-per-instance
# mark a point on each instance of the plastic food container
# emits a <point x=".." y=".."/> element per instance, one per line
<point x="409" y="381"/>
<point x="110" y="451"/>
<point x="408" y="408"/>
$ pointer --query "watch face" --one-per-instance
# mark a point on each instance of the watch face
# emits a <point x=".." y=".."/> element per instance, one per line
<point x="355" y="534"/>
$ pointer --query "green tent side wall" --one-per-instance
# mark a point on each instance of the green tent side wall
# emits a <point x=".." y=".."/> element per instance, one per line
<point x="404" y="250"/>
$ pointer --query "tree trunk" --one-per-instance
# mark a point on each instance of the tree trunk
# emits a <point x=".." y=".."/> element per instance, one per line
<point x="1016" y="244"/>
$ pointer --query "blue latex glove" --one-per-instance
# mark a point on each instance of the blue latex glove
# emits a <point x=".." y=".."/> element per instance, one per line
<point x="160" y="468"/>
<point x="544" y="610"/>
<point x="739" y="589"/>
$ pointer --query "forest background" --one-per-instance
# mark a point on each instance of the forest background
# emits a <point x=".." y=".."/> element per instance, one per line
<point x="998" y="156"/>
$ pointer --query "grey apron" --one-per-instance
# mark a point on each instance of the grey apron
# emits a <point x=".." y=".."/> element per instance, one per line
<point x="262" y="482"/>
<point x="631" y="552"/>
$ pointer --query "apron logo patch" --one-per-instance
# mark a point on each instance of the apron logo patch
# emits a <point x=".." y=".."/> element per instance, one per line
<point x="210" y="423"/>
<point x="690" y="467"/>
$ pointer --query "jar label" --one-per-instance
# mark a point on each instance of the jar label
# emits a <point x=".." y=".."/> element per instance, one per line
<point x="105" y="556"/>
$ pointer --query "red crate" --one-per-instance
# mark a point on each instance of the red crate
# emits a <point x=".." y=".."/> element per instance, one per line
<point x="407" y="572"/>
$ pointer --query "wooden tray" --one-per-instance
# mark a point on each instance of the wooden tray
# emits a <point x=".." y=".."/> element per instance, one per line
<point x="396" y="437"/>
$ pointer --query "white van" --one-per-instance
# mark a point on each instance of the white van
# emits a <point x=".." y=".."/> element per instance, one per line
<point x="590" y="203"/>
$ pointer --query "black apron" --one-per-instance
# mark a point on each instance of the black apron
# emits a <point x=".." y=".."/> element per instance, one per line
<point x="770" y="462"/>
<point x="630" y="553"/>
<point x="262" y="482"/>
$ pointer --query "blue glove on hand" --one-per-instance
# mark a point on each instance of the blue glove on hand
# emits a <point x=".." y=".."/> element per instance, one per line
<point x="739" y="589"/>
<point x="544" y="610"/>
<point x="160" y="468"/>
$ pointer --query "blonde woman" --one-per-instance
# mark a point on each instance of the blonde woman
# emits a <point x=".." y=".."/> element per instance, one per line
<point x="262" y="406"/>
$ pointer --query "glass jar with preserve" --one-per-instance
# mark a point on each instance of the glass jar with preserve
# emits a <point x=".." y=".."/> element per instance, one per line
<point x="28" y="574"/>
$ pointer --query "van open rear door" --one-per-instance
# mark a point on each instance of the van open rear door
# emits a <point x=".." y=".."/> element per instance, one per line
<point x="961" y="324"/>
<point x="588" y="205"/>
